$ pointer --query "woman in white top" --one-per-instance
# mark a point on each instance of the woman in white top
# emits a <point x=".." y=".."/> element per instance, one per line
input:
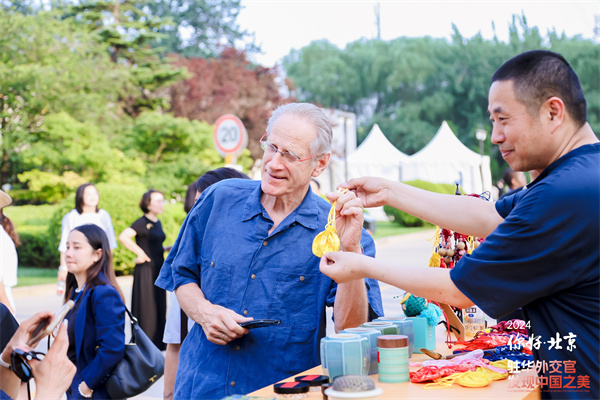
<point x="9" y="261"/>
<point x="86" y="212"/>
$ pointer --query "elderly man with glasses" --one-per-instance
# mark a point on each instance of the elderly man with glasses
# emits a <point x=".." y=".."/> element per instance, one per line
<point x="245" y="251"/>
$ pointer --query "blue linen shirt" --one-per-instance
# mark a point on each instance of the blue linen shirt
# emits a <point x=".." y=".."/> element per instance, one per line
<point x="224" y="246"/>
<point x="545" y="257"/>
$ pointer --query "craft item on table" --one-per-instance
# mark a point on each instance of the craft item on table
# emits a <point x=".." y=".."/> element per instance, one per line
<point x="405" y="327"/>
<point x="482" y="376"/>
<point x="514" y="325"/>
<point x="371" y="334"/>
<point x="345" y="354"/>
<point x="392" y="356"/>
<point x="492" y="340"/>
<point x="385" y="327"/>
<point x="355" y="387"/>
<point x="328" y="240"/>
<point x="291" y="390"/>
<point x="474" y="321"/>
<point x="469" y="362"/>
<point x="425" y="317"/>
<point x="314" y="381"/>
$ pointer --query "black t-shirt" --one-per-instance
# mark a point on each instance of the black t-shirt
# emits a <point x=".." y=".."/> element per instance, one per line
<point x="545" y="258"/>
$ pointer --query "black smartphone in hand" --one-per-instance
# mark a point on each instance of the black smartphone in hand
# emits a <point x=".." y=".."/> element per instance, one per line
<point x="259" y="323"/>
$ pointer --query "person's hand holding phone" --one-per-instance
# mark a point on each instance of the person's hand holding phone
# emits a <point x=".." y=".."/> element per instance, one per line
<point x="47" y="325"/>
<point x="54" y="374"/>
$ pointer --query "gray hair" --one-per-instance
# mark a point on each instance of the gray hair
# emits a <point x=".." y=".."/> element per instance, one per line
<point x="315" y="116"/>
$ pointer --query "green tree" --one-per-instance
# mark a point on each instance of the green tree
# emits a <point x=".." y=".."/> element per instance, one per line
<point x="200" y="28"/>
<point x="129" y="33"/>
<point x="67" y="153"/>
<point x="50" y="66"/>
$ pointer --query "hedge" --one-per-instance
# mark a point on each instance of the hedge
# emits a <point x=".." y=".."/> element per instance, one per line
<point x="405" y="219"/>
<point x="122" y="203"/>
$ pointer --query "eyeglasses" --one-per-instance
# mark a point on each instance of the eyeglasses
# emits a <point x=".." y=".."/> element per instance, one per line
<point x="288" y="157"/>
<point x="19" y="363"/>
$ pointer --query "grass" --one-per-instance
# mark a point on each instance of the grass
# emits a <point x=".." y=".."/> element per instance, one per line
<point x="31" y="219"/>
<point x="36" y="276"/>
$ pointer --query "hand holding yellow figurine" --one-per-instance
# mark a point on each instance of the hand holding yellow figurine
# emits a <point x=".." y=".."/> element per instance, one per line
<point x="328" y="240"/>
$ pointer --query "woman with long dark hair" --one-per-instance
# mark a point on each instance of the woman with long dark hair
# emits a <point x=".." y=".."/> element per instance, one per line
<point x="86" y="211"/>
<point x="148" y="302"/>
<point x="97" y="321"/>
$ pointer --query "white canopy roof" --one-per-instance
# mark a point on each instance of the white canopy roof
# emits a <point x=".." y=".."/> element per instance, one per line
<point x="376" y="156"/>
<point x="446" y="160"/>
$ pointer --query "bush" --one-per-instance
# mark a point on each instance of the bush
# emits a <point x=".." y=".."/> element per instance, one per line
<point x="37" y="250"/>
<point x="405" y="219"/>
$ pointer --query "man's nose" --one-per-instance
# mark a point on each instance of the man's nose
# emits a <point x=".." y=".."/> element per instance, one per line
<point x="497" y="134"/>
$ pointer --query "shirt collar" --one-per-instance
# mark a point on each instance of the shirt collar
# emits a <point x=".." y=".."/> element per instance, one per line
<point x="306" y="214"/>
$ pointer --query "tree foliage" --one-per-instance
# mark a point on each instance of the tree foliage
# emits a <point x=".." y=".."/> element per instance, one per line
<point x="228" y="84"/>
<point x="410" y="85"/>
<point x="199" y="28"/>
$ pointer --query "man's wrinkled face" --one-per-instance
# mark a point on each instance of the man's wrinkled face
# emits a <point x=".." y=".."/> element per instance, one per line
<point x="280" y="177"/>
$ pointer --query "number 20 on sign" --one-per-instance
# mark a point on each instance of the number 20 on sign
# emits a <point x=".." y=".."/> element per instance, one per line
<point x="230" y="136"/>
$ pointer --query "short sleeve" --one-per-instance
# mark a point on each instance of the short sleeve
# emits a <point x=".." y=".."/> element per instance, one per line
<point x="109" y="229"/>
<point x="64" y="233"/>
<point x="181" y="263"/>
<point x="515" y="265"/>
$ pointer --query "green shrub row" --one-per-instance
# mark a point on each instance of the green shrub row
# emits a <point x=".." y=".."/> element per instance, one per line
<point x="405" y="219"/>
<point x="39" y="248"/>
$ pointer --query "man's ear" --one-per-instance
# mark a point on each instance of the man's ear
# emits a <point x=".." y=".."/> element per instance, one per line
<point x="322" y="163"/>
<point x="553" y="111"/>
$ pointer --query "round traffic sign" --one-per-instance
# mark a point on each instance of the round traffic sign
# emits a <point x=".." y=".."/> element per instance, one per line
<point x="230" y="136"/>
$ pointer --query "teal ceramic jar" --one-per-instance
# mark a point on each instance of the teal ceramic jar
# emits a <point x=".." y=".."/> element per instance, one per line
<point x="392" y="357"/>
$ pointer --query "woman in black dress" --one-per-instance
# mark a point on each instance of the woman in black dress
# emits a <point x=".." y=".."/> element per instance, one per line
<point x="148" y="302"/>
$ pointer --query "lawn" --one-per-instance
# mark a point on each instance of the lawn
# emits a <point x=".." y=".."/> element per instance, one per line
<point x="30" y="276"/>
<point x="31" y="219"/>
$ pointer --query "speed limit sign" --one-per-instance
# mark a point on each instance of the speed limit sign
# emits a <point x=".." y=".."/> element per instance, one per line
<point x="230" y="136"/>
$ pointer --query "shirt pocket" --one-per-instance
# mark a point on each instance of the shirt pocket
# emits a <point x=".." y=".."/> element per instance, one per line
<point x="215" y="280"/>
<point x="295" y="300"/>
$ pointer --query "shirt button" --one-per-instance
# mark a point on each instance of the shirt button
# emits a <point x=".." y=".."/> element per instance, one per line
<point x="253" y="276"/>
<point x="232" y="383"/>
<point x="212" y="263"/>
<point x="245" y="312"/>
<point x="237" y="347"/>
<point x="265" y="243"/>
<point x="301" y="279"/>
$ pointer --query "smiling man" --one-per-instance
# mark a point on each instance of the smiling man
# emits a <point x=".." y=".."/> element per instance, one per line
<point x="541" y="251"/>
<point x="245" y="251"/>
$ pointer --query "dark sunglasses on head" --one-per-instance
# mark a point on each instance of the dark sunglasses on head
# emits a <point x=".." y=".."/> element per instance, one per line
<point x="20" y="365"/>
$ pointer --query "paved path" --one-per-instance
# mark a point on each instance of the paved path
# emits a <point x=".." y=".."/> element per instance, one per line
<point x="410" y="249"/>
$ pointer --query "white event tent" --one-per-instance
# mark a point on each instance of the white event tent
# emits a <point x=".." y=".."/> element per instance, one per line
<point x="376" y="156"/>
<point x="446" y="160"/>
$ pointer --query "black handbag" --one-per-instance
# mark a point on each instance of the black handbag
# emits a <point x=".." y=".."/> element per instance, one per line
<point x="142" y="365"/>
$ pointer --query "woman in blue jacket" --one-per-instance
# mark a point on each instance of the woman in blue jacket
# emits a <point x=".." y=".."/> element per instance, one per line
<point x="96" y="323"/>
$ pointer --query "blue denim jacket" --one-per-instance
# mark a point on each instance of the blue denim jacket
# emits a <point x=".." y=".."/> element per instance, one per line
<point x="224" y="245"/>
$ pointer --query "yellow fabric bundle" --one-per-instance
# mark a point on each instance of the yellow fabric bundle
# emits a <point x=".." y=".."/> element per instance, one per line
<point x="328" y="240"/>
